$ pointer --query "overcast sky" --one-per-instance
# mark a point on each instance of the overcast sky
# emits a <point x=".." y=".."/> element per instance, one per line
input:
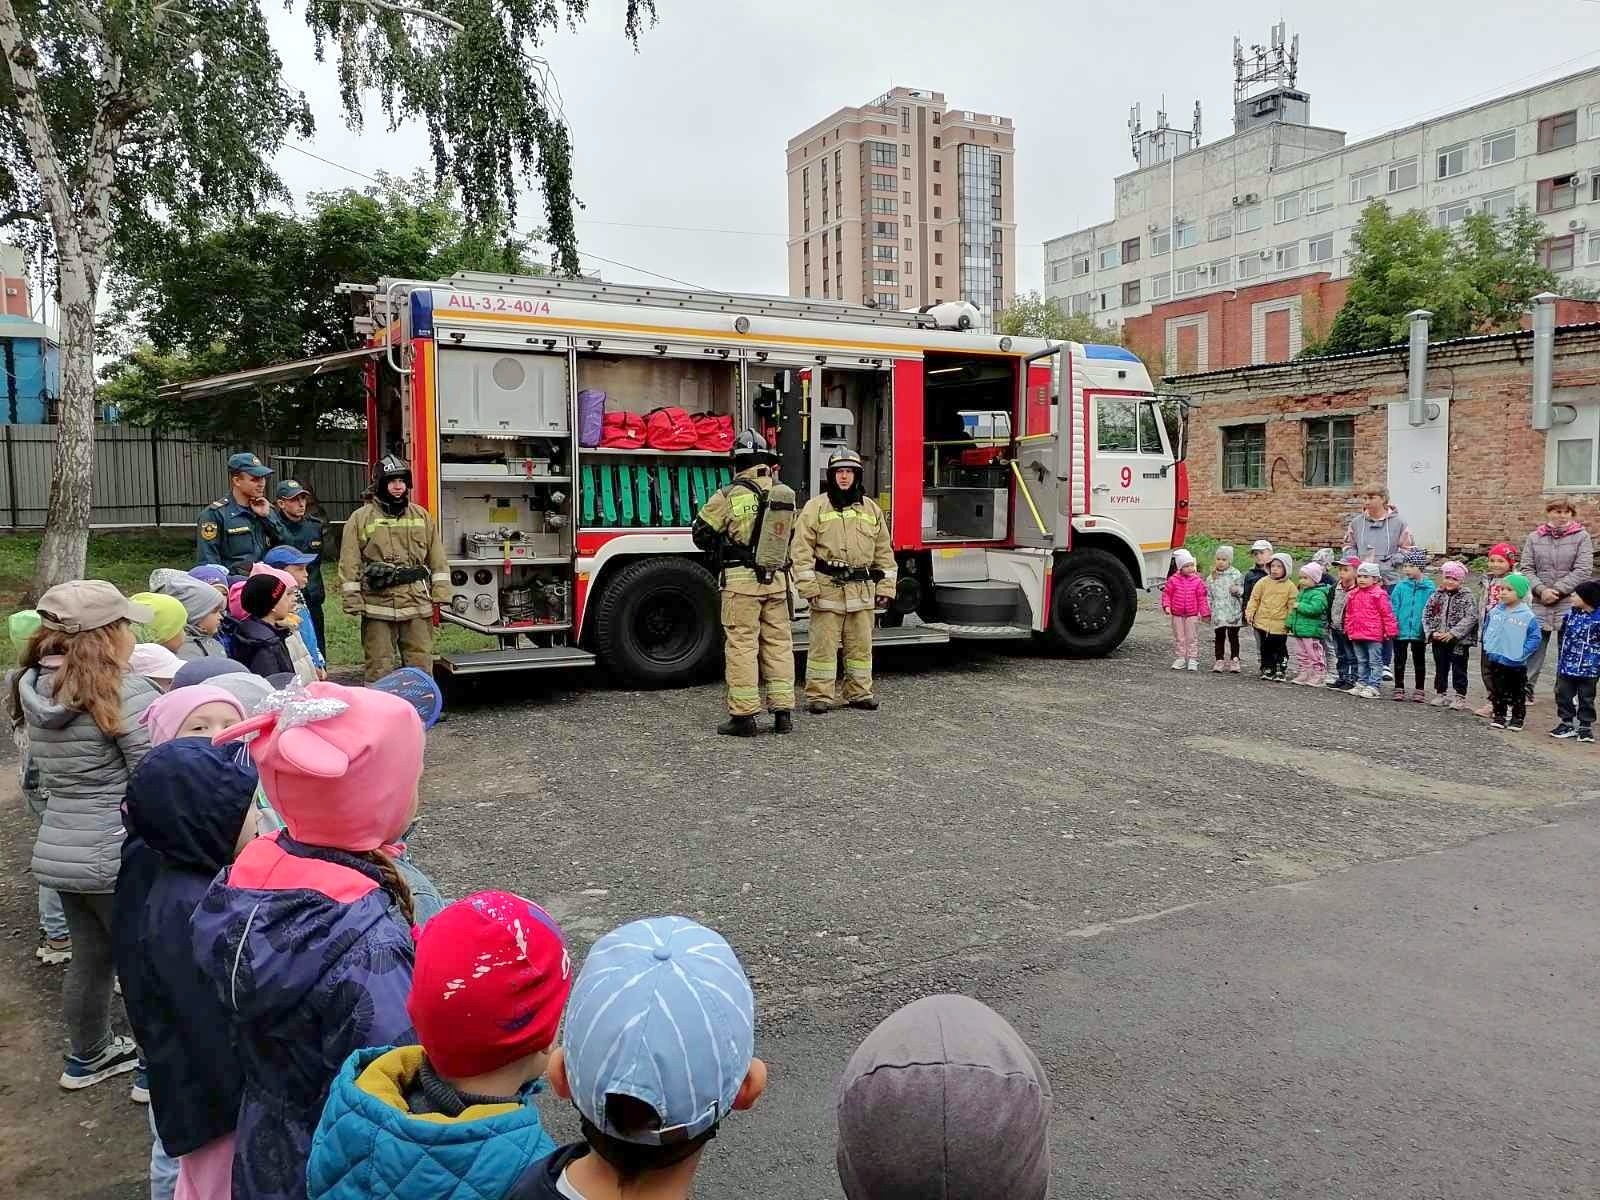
<point x="690" y="132"/>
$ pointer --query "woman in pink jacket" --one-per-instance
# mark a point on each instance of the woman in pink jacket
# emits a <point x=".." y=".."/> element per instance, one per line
<point x="1369" y="623"/>
<point x="1184" y="599"/>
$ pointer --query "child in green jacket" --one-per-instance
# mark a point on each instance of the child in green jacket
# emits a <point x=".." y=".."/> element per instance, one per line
<point x="1306" y="625"/>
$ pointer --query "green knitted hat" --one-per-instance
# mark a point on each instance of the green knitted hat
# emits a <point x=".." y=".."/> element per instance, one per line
<point x="1518" y="583"/>
<point x="22" y="626"/>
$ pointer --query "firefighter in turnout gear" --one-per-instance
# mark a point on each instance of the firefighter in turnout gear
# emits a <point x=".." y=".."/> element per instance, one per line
<point x="393" y="573"/>
<point x="844" y="567"/>
<point x="745" y="528"/>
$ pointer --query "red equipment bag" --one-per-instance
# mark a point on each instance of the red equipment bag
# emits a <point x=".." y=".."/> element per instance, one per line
<point x="622" y="431"/>
<point x="669" y="429"/>
<point x="713" y="433"/>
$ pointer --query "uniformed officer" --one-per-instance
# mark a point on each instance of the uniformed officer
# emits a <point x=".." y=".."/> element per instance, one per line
<point x="304" y="533"/>
<point x="236" y="531"/>
<point x="393" y="573"/>
<point x="844" y="567"/>
<point x="757" y="640"/>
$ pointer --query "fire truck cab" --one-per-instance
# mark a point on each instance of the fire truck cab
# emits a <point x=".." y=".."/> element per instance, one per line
<point x="1031" y="486"/>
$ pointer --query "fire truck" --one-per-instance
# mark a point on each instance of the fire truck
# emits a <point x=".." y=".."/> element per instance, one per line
<point x="1031" y="486"/>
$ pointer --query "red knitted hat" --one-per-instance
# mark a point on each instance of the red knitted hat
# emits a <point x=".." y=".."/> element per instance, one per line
<point x="1504" y="550"/>
<point x="490" y="983"/>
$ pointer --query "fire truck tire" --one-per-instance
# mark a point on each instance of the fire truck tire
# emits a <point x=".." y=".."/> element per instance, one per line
<point x="657" y="623"/>
<point x="1092" y="604"/>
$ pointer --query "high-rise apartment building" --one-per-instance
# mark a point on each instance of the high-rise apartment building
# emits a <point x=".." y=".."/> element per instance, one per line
<point x="903" y="202"/>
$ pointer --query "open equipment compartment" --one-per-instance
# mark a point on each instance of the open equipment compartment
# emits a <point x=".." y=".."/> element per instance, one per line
<point x="968" y="421"/>
<point x="646" y="487"/>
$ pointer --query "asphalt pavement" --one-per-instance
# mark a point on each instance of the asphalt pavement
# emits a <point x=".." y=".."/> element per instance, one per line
<point x="1268" y="941"/>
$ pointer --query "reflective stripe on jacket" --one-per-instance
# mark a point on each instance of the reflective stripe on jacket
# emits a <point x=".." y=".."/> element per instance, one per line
<point x="731" y="512"/>
<point x="856" y="537"/>
<point x="409" y="540"/>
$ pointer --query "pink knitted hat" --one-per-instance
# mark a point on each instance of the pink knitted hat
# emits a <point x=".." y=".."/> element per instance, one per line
<point x="277" y="573"/>
<point x="166" y="715"/>
<point x="339" y="764"/>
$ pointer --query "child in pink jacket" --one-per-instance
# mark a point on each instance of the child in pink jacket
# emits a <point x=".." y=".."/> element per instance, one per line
<point x="1368" y="623"/>
<point x="1184" y="599"/>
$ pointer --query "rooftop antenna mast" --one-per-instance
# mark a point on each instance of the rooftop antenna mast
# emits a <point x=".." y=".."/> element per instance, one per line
<point x="1265" y="67"/>
<point x="1164" y="142"/>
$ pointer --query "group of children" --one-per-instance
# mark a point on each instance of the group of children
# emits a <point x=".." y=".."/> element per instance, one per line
<point x="1348" y="631"/>
<point x="305" y="1028"/>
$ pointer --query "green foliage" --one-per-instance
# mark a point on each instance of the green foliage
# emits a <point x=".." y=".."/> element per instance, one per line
<point x="1033" y="315"/>
<point x="1478" y="279"/>
<point x="261" y="290"/>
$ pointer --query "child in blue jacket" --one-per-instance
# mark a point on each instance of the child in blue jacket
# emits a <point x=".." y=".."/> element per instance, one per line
<point x="1578" y="667"/>
<point x="456" y="1113"/>
<point x="1410" y="597"/>
<point x="1511" y="634"/>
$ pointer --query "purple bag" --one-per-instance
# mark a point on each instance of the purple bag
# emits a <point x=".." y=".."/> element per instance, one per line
<point x="591" y="417"/>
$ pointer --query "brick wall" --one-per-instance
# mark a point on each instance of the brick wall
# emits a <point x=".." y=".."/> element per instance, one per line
<point x="1225" y="324"/>
<point x="1496" y="471"/>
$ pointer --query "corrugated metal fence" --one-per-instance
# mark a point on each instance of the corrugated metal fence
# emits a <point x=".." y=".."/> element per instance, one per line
<point x="144" y="477"/>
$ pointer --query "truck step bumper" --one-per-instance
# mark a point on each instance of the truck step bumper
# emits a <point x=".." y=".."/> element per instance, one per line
<point x="530" y="658"/>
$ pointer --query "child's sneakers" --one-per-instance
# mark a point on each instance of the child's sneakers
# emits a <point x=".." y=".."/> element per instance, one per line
<point x="117" y="1058"/>
<point x="1194" y="664"/>
<point x="1419" y="696"/>
<point x="1331" y="679"/>
<point x="1459" y="704"/>
<point x="1399" y="693"/>
<point x="1586" y="735"/>
<point x="1513" y="726"/>
<point x="1439" y="700"/>
<point x="1564" y="731"/>
<point x="1496" y="723"/>
<point x="1178" y="664"/>
<point x="1219" y="666"/>
<point x="1233" y="666"/>
<point x="53" y="951"/>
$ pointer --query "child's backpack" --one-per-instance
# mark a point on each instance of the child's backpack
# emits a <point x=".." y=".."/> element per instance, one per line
<point x="670" y="429"/>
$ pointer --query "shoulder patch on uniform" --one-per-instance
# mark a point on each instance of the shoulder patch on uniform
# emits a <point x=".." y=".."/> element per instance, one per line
<point x="217" y="504"/>
<point x="208" y="531"/>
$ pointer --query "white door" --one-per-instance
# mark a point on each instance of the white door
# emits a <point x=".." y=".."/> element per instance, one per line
<point x="1131" y="472"/>
<point x="1419" y="462"/>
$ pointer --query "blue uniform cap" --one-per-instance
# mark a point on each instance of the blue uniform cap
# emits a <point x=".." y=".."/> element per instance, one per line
<point x="249" y="464"/>
<point x="662" y="1012"/>
<point x="287" y="556"/>
<point x="289" y="489"/>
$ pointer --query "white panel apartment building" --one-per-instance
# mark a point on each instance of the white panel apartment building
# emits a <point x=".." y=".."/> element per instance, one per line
<point x="1279" y="199"/>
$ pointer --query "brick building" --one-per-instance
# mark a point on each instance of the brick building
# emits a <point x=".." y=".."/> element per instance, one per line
<point x="1267" y="323"/>
<point x="1281" y="450"/>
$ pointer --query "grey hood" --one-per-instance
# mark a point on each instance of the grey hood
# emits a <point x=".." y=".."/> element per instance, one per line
<point x="37" y="690"/>
<point x="943" y="1100"/>
<point x="199" y="600"/>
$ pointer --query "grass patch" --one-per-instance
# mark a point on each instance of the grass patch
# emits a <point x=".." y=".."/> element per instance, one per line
<point x="1204" y="548"/>
<point x="126" y="559"/>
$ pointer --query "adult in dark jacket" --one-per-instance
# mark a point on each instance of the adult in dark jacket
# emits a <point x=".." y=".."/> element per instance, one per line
<point x="259" y="646"/>
<point x="1556" y="558"/>
<point x="82" y="708"/>
<point x="186" y="812"/>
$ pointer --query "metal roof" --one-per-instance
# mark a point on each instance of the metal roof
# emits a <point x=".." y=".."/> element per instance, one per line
<point x="20" y="327"/>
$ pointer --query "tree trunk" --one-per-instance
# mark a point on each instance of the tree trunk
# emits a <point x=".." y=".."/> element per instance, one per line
<point x="64" y="552"/>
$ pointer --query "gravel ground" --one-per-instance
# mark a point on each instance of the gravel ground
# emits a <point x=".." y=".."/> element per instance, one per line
<point x="1002" y="813"/>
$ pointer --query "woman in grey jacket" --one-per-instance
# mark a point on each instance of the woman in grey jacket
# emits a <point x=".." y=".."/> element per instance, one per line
<point x="82" y="711"/>
<point x="1556" y="558"/>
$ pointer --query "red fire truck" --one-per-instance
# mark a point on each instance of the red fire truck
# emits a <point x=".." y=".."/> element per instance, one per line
<point x="1032" y="486"/>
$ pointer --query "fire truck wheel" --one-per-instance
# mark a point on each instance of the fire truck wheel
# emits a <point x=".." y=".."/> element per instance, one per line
<point x="1092" y="604"/>
<point x="656" y="622"/>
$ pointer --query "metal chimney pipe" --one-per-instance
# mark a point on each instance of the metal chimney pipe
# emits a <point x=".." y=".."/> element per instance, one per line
<point x="1417" y="370"/>
<point x="1544" y="354"/>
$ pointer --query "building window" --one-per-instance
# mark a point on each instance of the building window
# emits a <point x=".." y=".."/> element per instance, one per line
<point x="1319" y="199"/>
<point x="936" y="117"/>
<point x="905" y="174"/>
<point x="938" y="236"/>
<point x="906" y="150"/>
<point x="1320" y="249"/>
<point x="886" y="229"/>
<point x="1570" y="451"/>
<point x="1330" y="452"/>
<point x="880" y="154"/>
<point x="1556" y="194"/>
<point x="884" y="204"/>
<point x="1130" y="292"/>
<point x="1185" y="235"/>
<point x="1452" y="215"/>
<point x="1187" y="281"/>
<point x="908" y="243"/>
<point x="1594" y="249"/>
<point x="905" y="118"/>
<point x="936" y="141"/>
<point x="1499" y="147"/>
<point x="884" y="275"/>
<point x="908" y="290"/>
<point x="1558" y="132"/>
<point x="1080" y="304"/>
<point x="1249" y="219"/>
<point x="825" y="295"/>
<point x="884" y="183"/>
<point x="1080" y="265"/>
<point x="885" y="253"/>
<point x="1220" y="227"/>
<point x="1110" y="256"/>
<point x="1501" y="204"/>
<point x="1160" y="243"/>
<point x="1244" y="457"/>
<point x="907" y="199"/>
<point x="1160" y="287"/>
<point x="1403" y="176"/>
<point x="805" y="181"/>
<point x="1453" y="160"/>
<point x="1108" y="300"/>
<point x="1117" y="426"/>
<point x="938" y="282"/>
<point x="1556" y="253"/>
<point x="938" y="165"/>
<point x="1287" y="257"/>
<point x="807" y="228"/>
<point x="1286" y="209"/>
<point x="1363" y="187"/>
<point x="938" y="190"/>
<point x="1249" y="266"/>
<point x="938" y="213"/>
<point x="1130" y="250"/>
<point x="1222" y="271"/>
<point x="938" y="261"/>
<point x="886" y="299"/>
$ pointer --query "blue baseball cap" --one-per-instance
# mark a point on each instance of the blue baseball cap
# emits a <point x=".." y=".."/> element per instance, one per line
<point x="290" y="488"/>
<point x="661" y="1012"/>
<point x="249" y="464"/>
<point x="287" y="556"/>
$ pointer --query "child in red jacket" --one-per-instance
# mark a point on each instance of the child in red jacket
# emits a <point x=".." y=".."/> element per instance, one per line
<point x="1184" y="599"/>
<point x="1368" y="623"/>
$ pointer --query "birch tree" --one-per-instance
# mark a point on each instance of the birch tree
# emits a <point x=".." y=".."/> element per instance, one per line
<point x="126" y="117"/>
